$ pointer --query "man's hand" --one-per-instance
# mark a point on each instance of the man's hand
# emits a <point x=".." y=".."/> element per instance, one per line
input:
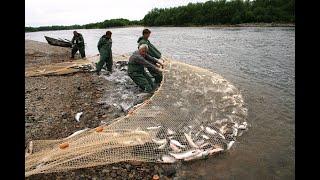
<point x="160" y="70"/>
<point x="160" y="64"/>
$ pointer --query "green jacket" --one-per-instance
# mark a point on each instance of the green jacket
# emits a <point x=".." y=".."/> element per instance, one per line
<point x="137" y="62"/>
<point x="78" y="40"/>
<point x="104" y="46"/>
<point x="153" y="51"/>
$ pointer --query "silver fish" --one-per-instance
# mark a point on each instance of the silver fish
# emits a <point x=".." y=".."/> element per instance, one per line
<point x="77" y="117"/>
<point x="201" y="154"/>
<point x="185" y="154"/>
<point x="168" y="159"/>
<point x="235" y="131"/>
<point x="77" y="132"/>
<point x="210" y="131"/>
<point x="163" y="145"/>
<point x="175" y="142"/>
<point x="189" y="139"/>
<point x="153" y="128"/>
<point x="223" y="129"/>
<point x="159" y="141"/>
<point x="174" y="147"/>
<point x="230" y="145"/>
<point x="222" y="136"/>
<point x="242" y="127"/>
<point x="30" y="147"/>
<point x="215" y="150"/>
<point x="205" y="136"/>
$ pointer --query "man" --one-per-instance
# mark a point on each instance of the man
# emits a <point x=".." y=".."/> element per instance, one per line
<point x="152" y="51"/>
<point x="77" y="44"/>
<point x="137" y="62"/>
<point x="104" y="47"/>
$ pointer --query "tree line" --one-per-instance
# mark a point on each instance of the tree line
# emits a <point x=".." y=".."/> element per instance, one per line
<point x="208" y="13"/>
<point x="99" y="25"/>
<point x="224" y="12"/>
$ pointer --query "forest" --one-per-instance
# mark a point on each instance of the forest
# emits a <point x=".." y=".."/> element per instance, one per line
<point x="224" y="12"/>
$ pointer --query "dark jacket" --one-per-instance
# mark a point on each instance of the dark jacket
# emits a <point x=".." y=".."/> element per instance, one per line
<point x="138" y="62"/>
<point x="78" y="40"/>
<point x="152" y="50"/>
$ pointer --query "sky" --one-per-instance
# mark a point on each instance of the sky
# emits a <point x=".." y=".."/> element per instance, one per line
<point x="69" y="12"/>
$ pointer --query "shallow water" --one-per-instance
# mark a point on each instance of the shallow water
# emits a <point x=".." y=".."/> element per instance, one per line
<point x="259" y="61"/>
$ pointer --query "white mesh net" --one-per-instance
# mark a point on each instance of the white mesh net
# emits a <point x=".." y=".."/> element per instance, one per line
<point x="194" y="113"/>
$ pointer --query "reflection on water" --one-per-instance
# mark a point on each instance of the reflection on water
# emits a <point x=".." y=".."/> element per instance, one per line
<point x="260" y="61"/>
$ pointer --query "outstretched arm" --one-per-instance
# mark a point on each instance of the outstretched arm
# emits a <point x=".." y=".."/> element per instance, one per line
<point x="145" y="63"/>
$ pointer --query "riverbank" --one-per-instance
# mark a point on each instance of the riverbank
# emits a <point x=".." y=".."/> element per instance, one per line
<point x="213" y="25"/>
<point x="51" y="103"/>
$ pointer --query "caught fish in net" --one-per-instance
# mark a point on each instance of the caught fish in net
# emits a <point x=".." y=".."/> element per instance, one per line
<point x="195" y="113"/>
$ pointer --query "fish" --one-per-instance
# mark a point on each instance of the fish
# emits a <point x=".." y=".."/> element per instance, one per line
<point x="170" y="132"/>
<point x="30" y="147"/>
<point x="230" y="145"/>
<point x="202" y="128"/>
<point x="222" y="136"/>
<point x="223" y="129"/>
<point x="185" y="154"/>
<point x="210" y="131"/>
<point x="243" y="126"/>
<point x="201" y="154"/>
<point x="189" y="139"/>
<point x="163" y="145"/>
<point x="235" y="131"/>
<point x="215" y="150"/>
<point x="77" y="117"/>
<point x="168" y="159"/>
<point x="77" y="132"/>
<point x="153" y="128"/>
<point x="174" y="147"/>
<point x="200" y="142"/>
<point x="205" y="136"/>
<point x="159" y="141"/>
<point x="177" y="143"/>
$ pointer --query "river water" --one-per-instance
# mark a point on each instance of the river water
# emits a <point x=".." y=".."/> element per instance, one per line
<point x="259" y="61"/>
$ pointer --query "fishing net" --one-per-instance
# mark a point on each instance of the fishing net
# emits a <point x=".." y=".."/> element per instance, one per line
<point x="195" y="113"/>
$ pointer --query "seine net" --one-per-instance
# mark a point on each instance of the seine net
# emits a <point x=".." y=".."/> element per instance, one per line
<point x="194" y="113"/>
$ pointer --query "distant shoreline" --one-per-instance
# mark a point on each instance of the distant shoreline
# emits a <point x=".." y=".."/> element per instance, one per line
<point x="237" y="25"/>
<point x="213" y="25"/>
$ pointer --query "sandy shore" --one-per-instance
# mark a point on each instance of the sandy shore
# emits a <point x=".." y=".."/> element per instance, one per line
<point x="51" y="103"/>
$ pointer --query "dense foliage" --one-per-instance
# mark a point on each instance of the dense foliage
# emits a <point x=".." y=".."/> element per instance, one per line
<point x="223" y="12"/>
<point x="98" y="25"/>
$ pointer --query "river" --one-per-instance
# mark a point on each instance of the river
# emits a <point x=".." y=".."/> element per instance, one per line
<point x="259" y="61"/>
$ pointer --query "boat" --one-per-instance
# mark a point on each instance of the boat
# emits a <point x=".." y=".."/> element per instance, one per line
<point x="58" y="42"/>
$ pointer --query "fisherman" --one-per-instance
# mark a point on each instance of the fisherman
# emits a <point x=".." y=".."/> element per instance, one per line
<point x="137" y="62"/>
<point x="77" y="44"/>
<point x="104" y="47"/>
<point x="152" y="51"/>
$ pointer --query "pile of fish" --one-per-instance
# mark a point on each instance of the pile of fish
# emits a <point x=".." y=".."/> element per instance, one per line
<point x="195" y="142"/>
